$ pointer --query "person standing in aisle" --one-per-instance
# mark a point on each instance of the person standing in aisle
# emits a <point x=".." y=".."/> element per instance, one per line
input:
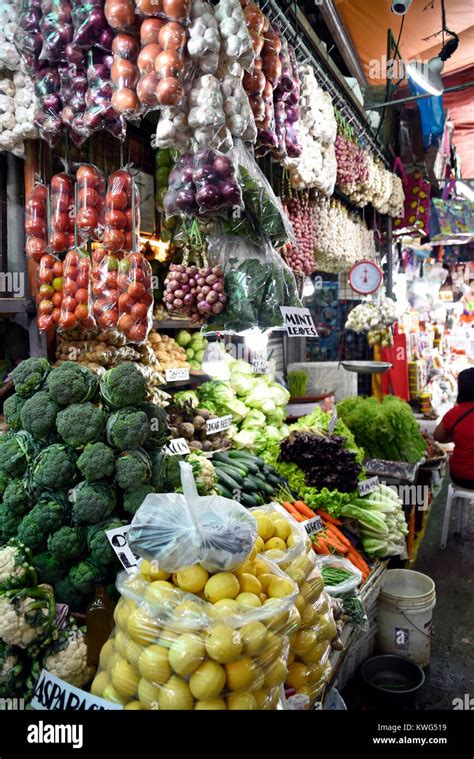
<point x="457" y="426"/>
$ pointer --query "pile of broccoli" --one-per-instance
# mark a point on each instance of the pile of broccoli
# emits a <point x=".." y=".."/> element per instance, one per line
<point x="75" y="464"/>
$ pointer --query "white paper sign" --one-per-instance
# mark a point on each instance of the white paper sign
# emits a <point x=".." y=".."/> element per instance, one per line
<point x="332" y="421"/>
<point x="366" y="487"/>
<point x="118" y="540"/>
<point x="53" y="694"/>
<point x="260" y="366"/>
<point x="312" y="526"/>
<point x="218" y="425"/>
<point x="298" y="322"/>
<point x="177" y="447"/>
<point x="176" y="373"/>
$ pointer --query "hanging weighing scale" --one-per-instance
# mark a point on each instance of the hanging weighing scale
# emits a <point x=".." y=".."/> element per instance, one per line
<point x="365" y="277"/>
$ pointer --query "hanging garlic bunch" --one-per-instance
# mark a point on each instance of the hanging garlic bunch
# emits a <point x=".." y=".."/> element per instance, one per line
<point x="9" y="56"/>
<point x="204" y="40"/>
<point x="206" y="115"/>
<point x="340" y="240"/>
<point x="239" y="117"/>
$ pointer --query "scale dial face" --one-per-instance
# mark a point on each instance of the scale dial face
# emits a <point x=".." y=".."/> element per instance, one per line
<point x="365" y="277"/>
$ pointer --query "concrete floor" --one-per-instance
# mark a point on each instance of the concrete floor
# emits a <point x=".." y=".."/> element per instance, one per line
<point x="451" y="671"/>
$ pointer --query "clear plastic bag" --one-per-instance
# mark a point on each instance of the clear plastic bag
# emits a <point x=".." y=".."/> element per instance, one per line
<point x="340" y="563"/>
<point x="76" y="305"/>
<point x="90" y="202"/>
<point x="124" y="75"/>
<point x="28" y="36"/>
<point x="50" y="292"/>
<point x="206" y="115"/>
<point x="135" y="297"/>
<point x="90" y="25"/>
<point x="105" y="289"/>
<point x="204" y="40"/>
<point x="120" y="14"/>
<point x="122" y="201"/>
<point x="239" y="117"/>
<point x="257" y="283"/>
<point x="73" y="97"/>
<point x="99" y="113"/>
<point x="169" y="10"/>
<point x="292" y="541"/>
<point x="175" y="531"/>
<point x="57" y="30"/>
<point x="62" y="212"/>
<point x="35" y="222"/>
<point x="48" y="112"/>
<point x="236" y="42"/>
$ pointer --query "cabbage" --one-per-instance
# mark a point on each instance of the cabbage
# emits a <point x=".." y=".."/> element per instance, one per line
<point x="241" y="367"/>
<point x="186" y="396"/>
<point x="278" y="417"/>
<point x="254" y="420"/>
<point x="279" y="395"/>
<point x="244" y="439"/>
<point x="242" y="384"/>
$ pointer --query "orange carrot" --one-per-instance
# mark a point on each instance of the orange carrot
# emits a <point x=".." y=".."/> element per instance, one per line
<point x="359" y="562"/>
<point x="334" y="540"/>
<point x="301" y="508"/>
<point x="298" y="517"/>
<point x="334" y="545"/>
<point x="289" y="507"/>
<point x="339" y="535"/>
<point x="328" y="518"/>
<point x="320" y="548"/>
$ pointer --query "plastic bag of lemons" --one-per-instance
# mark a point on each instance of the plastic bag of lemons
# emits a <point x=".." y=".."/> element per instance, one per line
<point x="198" y="640"/>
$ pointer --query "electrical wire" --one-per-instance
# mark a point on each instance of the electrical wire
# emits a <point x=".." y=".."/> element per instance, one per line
<point x="387" y="86"/>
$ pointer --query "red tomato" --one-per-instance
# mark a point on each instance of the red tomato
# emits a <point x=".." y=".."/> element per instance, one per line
<point x="89" y="322"/>
<point x="48" y="261"/>
<point x="36" y="208"/>
<point x="45" y="322"/>
<point x="61" y="183"/>
<point x="81" y="312"/>
<point x="73" y="258"/>
<point x="35" y="227"/>
<point x="136" y="260"/>
<point x="128" y="219"/>
<point x="84" y="264"/>
<point x="70" y="241"/>
<point x="57" y="299"/>
<point x="87" y="219"/>
<point x="46" y="292"/>
<point x="35" y="248"/>
<point x="58" y="241"/>
<point x="68" y="320"/>
<point x="137" y="333"/>
<point x="122" y="281"/>
<point x="125" y="302"/>
<point x="116" y="201"/>
<point x="71" y="272"/>
<point x="82" y="279"/>
<point x="46" y="276"/>
<point x="114" y="239"/>
<point x="147" y="283"/>
<point x="139" y="311"/>
<point x="69" y="303"/>
<point x="60" y="222"/>
<point x="60" y="204"/>
<point x="88" y="197"/>
<point x="98" y="255"/>
<point x="97" y="288"/>
<point x="56" y="315"/>
<point x="136" y="290"/>
<point x="138" y="275"/>
<point x="116" y="219"/>
<point x="82" y="295"/>
<point x="128" y="245"/>
<point x="126" y="322"/>
<point x="46" y="307"/>
<point x="39" y="194"/>
<point x="112" y="297"/>
<point x="111" y="280"/>
<point x="147" y="299"/>
<point x="108" y="318"/>
<point x="58" y="268"/>
<point x="70" y="287"/>
<point x="88" y="175"/>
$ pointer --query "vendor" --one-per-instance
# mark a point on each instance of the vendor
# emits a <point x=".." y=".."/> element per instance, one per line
<point x="457" y="426"/>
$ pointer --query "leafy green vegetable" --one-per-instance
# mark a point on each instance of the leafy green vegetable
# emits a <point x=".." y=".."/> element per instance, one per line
<point x="127" y="429"/>
<point x="324" y="458"/>
<point x="30" y="375"/>
<point x="122" y="386"/>
<point x="72" y="383"/>
<point x="55" y="467"/>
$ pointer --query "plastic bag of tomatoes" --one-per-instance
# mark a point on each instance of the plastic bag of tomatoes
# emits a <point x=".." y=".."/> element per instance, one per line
<point x="135" y="297"/>
<point x="105" y="289"/>
<point x="61" y="220"/>
<point x="35" y="222"/>
<point x="90" y="202"/>
<point x="50" y="292"/>
<point x="122" y="198"/>
<point x="124" y="75"/>
<point x="76" y="306"/>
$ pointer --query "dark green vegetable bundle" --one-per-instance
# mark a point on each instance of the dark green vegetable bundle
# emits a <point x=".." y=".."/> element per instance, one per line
<point x="325" y="460"/>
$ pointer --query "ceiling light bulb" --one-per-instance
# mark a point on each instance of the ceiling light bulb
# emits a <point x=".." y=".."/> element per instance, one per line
<point x="427" y="76"/>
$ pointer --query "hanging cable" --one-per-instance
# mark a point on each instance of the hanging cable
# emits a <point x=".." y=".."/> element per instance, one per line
<point x="387" y="86"/>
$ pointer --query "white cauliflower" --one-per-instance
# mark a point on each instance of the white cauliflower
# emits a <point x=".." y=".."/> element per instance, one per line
<point x="16" y="570"/>
<point x="67" y="658"/>
<point x="204" y="472"/>
<point x="28" y="617"/>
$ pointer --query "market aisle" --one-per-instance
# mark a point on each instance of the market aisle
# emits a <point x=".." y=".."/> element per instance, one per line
<point x="451" y="672"/>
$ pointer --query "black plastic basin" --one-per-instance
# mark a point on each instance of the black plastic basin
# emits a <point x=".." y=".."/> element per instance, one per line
<point x="392" y="679"/>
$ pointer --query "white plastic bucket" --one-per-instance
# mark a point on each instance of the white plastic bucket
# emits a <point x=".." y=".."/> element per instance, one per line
<point x="405" y="608"/>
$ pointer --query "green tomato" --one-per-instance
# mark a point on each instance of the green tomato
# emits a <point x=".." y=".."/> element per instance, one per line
<point x="112" y="263"/>
<point x="58" y="283"/>
<point x="163" y="157"/>
<point x="189" y="353"/>
<point x="124" y="266"/>
<point x="160" y="194"/>
<point x="162" y="176"/>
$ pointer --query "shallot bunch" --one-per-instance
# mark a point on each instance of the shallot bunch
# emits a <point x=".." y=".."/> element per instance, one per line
<point x="352" y="165"/>
<point x="193" y="291"/>
<point x="300" y="256"/>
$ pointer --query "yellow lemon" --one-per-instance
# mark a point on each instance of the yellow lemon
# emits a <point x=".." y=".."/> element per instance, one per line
<point x="298" y="674"/>
<point x="272" y="650"/>
<point x="125" y="680"/>
<point x="167" y="637"/>
<point x="275" y="516"/>
<point x="106" y="651"/>
<point x="133" y="706"/>
<point x="162" y="593"/>
<point x="305" y="641"/>
<point x="148" y="694"/>
<point x="221" y="585"/>
<point x="296" y="574"/>
<point x="133" y="653"/>
<point x="175" y="695"/>
<point x="248" y="600"/>
<point x="254" y="635"/>
<point x="282" y="529"/>
<point x="300" y="603"/>
<point x="186" y="654"/>
<point x="192" y="579"/>
<point x="263" y="698"/>
<point x="240" y="673"/>
<point x="241" y="701"/>
<point x="149" y="568"/>
<point x="154" y="666"/>
<point x="190" y="610"/>
<point x="314" y="654"/>
<point x="291" y="540"/>
<point x="142" y="628"/>
<point x="258" y="513"/>
<point x="265" y="527"/>
<point x="121" y="643"/>
<point x="312" y="589"/>
<point x="280" y="587"/>
<point x="210" y="704"/>
<point x="223" y="644"/>
<point x="227" y="606"/>
<point x="275" y="544"/>
<point x="308" y="616"/>
<point x="110" y="694"/>
<point x="249" y="584"/>
<point x="316" y="672"/>
<point x="113" y="661"/>
<point x="99" y="683"/>
<point x="259" y="544"/>
<point x="122" y="611"/>
<point x="275" y="674"/>
<point x="253" y="554"/>
<point x="265" y="579"/>
<point x="207" y="681"/>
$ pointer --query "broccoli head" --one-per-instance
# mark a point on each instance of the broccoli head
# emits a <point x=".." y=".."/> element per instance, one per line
<point x="4" y="481"/>
<point x="43" y="519"/>
<point x="67" y="543"/>
<point x="38" y="415"/>
<point x="16" y="497"/>
<point x="30" y="375"/>
<point x="9" y="522"/>
<point x="134" y="498"/>
<point x="55" y="467"/>
<point x="122" y="386"/>
<point x="48" y="568"/>
<point x="72" y="383"/>
<point x="158" y="425"/>
<point x="132" y="469"/>
<point x="96" y="462"/>
<point x="165" y="472"/>
<point x="92" y="502"/>
<point x="83" y="577"/>
<point x="17" y="449"/>
<point x="127" y="429"/>
<point x="101" y="552"/>
<point x="66" y="594"/>
<point x="80" y="423"/>
<point x="12" y="407"/>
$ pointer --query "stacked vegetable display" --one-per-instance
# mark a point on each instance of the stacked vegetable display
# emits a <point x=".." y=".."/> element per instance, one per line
<point x="245" y="478"/>
<point x="80" y="455"/>
<point x="194" y="345"/>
